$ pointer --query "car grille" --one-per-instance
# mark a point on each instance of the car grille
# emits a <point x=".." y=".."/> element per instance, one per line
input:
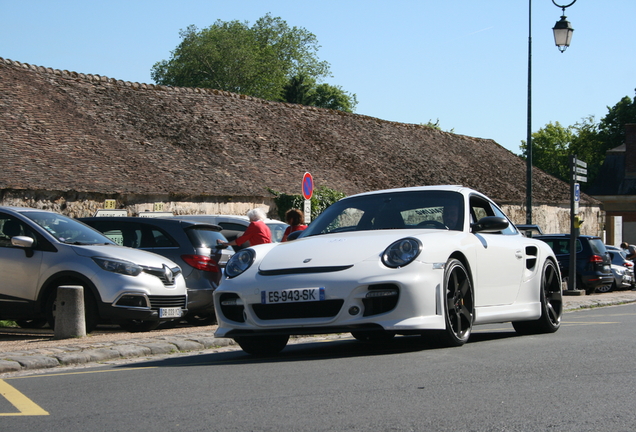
<point x="303" y="270"/>
<point x="319" y="309"/>
<point x="157" y="302"/>
<point x="163" y="275"/>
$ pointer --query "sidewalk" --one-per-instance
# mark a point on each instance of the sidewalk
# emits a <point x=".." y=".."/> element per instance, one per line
<point x="44" y="352"/>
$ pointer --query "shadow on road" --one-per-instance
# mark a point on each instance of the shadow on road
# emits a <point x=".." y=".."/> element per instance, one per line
<point x="320" y="349"/>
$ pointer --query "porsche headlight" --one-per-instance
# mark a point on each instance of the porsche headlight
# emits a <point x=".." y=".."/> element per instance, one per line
<point x="118" y="266"/>
<point x="402" y="252"/>
<point x="241" y="261"/>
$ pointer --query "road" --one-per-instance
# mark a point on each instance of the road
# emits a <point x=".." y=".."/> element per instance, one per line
<point x="578" y="379"/>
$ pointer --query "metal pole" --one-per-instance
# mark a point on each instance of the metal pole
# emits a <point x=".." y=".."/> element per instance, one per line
<point x="529" y="126"/>
<point x="573" y="233"/>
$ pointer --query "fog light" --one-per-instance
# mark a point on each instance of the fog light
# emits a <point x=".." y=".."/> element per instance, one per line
<point x="232" y="302"/>
<point x="354" y="310"/>
<point x="382" y="293"/>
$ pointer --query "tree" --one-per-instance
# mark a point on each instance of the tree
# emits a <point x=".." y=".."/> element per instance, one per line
<point x="304" y="90"/>
<point x="551" y="149"/>
<point x="268" y="60"/>
<point x="612" y="126"/>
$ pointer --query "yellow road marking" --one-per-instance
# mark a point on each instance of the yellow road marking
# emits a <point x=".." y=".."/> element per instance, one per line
<point x="25" y="405"/>
<point x="81" y="373"/>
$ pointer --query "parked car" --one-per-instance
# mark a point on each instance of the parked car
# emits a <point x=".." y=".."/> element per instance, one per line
<point x="593" y="263"/>
<point x="622" y="269"/>
<point x="192" y="245"/>
<point x="392" y="262"/>
<point x="42" y="250"/>
<point x="234" y="226"/>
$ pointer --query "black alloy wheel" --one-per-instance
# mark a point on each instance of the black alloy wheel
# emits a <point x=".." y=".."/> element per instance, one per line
<point x="459" y="305"/>
<point x="551" y="304"/>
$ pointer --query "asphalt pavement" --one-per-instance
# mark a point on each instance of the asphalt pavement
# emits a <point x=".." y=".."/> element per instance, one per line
<point x="51" y="353"/>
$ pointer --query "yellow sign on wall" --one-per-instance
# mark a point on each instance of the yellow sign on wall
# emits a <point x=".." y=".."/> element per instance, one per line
<point x="110" y="204"/>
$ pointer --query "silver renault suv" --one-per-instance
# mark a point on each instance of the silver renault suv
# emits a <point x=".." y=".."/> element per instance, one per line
<point x="42" y="250"/>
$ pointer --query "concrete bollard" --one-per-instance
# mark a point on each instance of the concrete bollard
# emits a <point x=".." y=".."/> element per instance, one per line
<point x="69" y="312"/>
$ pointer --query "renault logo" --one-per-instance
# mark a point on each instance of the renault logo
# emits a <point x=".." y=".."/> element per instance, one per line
<point x="168" y="274"/>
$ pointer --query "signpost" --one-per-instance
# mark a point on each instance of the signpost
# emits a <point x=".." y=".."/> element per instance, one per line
<point x="578" y="173"/>
<point x="308" y="191"/>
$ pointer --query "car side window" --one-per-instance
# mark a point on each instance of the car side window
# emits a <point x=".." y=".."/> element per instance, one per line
<point x="10" y="227"/>
<point x="162" y="239"/>
<point x="480" y="208"/>
<point x="232" y="230"/>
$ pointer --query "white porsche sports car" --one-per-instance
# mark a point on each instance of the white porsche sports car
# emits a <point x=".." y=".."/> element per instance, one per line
<point x="432" y="260"/>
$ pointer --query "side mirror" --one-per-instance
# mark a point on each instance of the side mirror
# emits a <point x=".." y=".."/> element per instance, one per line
<point x="23" y="242"/>
<point x="490" y="224"/>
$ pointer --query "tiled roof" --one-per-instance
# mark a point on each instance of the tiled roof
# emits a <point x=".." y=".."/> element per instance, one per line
<point x="66" y="131"/>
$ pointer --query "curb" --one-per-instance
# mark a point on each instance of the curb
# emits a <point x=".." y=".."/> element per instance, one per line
<point x="72" y="355"/>
<point x="47" y="358"/>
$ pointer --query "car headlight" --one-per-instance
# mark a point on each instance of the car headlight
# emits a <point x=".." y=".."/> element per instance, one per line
<point x="241" y="261"/>
<point x="402" y="252"/>
<point x="118" y="266"/>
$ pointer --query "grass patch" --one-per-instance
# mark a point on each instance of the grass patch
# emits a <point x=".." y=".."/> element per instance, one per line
<point x="7" y="324"/>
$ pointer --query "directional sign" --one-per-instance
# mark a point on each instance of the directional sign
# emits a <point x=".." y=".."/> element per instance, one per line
<point x="579" y="170"/>
<point x="308" y="186"/>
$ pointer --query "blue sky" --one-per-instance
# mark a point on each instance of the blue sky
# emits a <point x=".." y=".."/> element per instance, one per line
<point x="463" y="62"/>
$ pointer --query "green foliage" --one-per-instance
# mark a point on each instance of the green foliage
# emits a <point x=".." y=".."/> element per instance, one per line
<point x="8" y="324"/>
<point x="304" y="90"/>
<point x="436" y="125"/>
<point x="589" y="141"/>
<point x="269" y="60"/>
<point x="551" y="149"/>
<point x="612" y="126"/>
<point x="322" y="198"/>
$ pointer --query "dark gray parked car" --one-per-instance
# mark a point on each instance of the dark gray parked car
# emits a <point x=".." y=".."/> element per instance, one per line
<point x="192" y="245"/>
<point x="593" y="263"/>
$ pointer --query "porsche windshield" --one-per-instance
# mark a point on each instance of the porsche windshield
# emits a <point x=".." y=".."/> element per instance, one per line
<point x="394" y="210"/>
<point x="67" y="230"/>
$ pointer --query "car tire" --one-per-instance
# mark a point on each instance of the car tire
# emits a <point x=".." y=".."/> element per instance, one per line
<point x="136" y="326"/>
<point x="262" y="345"/>
<point x="375" y="336"/>
<point x="606" y="288"/>
<point x="202" y="319"/>
<point x="459" y="306"/>
<point x="551" y="296"/>
<point x="32" y="323"/>
<point x="91" y="313"/>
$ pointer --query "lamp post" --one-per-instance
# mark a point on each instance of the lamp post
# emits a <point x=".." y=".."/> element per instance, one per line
<point x="562" y="37"/>
<point x="529" y="124"/>
<point x="562" y="29"/>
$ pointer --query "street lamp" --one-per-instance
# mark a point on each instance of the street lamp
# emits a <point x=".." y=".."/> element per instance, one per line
<point x="562" y="37"/>
<point x="562" y="29"/>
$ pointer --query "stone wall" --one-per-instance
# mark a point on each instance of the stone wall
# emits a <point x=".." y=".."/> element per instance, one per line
<point x="86" y="204"/>
<point x="551" y="219"/>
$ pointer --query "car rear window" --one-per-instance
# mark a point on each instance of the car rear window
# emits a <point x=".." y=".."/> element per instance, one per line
<point x="562" y="246"/>
<point x="202" y="237"/>
<point x="598" y="247"/>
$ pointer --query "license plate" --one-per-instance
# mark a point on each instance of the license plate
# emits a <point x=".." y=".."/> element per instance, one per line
<point x="170" y="312"/>
<point x="293" y="295"/>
